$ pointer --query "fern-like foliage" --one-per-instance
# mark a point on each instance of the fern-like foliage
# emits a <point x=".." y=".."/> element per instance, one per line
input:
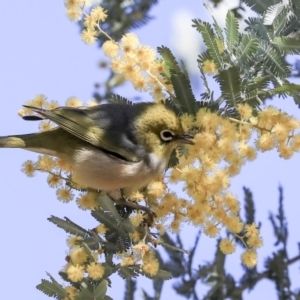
<point x="210" y="41"/>
<point x="232" y="31"/>
<point x="249" y="66"/>
<point x="184" y="99"/>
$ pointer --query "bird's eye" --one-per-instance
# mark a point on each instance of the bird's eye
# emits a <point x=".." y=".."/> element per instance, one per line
<point x="166" y="135"/>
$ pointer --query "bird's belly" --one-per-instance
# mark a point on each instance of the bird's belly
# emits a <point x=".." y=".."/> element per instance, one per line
<point x="95" y="169"/>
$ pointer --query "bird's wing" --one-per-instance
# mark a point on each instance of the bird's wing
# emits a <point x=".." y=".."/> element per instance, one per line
<point x="81" y="123"/>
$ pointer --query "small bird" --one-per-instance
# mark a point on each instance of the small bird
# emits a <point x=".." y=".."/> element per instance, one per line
<point x="109" y="146"/>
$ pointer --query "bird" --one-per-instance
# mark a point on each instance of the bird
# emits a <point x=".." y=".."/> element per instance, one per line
<point x="108" y="146"/>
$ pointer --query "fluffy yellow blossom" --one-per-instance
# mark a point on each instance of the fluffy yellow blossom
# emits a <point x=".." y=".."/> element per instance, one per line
<point x="45" y="163"/>
<point x="295" y="144"/>
<point x="74" y="14"/>
<point x="39" y="100"/>
<point x="135" y="236"/>
<point x="72" y="3"/>
<point x="128" y="260"/>
<point x="255" y="242"/>
<point x="285" y="151"/>
<point x="175" y="225"/>
<point x="64" y="194"/>
<point x="232" y="203"/>
<point x="156" y="189"/>
<point x="211" y="229"/>
<point x="95" y="271"/>
<point x="78" y="256"/>
<point x="150" y="264"/>
<point x="98" y="14"/>
<point x="101" y="229"/>
<point x="117" y="65"/>
<point x="110" y="48"/>
<point x="220" y="46"/>
<point x="51" y="105"/>
<point x="135" y="196"/>
<point x="75" y="273"/>
<point x="209" y="67"/>
<point x="73" y="102"/>
<point x="137" y="220"/>
<point x="45" y="126"/>
<point x="130" y="41"/>
<point x="227" y="246"/>
<point x="89" y="36"/>
<point x="141" y="248"/>
<point x="187" y="122"/>
<point x="245" y="111"/>
<point x="265" y="142"/>
<point x="54" y="180"/>
<point x="87" y="200"/>
<point x="140" y="83"/>
<point x="234" y="224"/>
<point x="74" y="241"/>
<point x="29" y="168"/>
<point x="249" y="258"/>
<point x="61" y="164"/>
<point x="251" y="230"/>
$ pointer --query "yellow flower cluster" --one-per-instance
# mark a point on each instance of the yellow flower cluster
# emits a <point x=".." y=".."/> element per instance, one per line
<point x="221" y="147"/>
<point x="82" y="262"/>
<point x="138" y="64"/>
<point x="142" y="255"/>
<point x="277" y="129"/>
<point x="134" y="61"/>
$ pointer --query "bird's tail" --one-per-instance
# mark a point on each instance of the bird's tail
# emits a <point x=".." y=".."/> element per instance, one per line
<point x="17" y="141"/>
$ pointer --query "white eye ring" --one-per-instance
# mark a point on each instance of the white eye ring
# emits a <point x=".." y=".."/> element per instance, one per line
<point x="167" y="135"/>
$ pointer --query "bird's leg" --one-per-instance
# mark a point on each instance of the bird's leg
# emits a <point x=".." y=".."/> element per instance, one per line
<point x="120" y="200"/>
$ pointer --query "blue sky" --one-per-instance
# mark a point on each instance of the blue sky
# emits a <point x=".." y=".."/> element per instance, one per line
<point x="41" y="52"/>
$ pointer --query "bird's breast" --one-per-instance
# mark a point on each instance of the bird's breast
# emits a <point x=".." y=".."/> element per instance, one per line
<point x="96" y="169"/>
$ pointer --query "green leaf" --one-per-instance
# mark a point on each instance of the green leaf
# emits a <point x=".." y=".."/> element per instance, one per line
<point x="272" y="13"/>
<point x="101" y="290"/>
<point x="259" y="29"/>
<point x="107" y="204"/>
<point x="296" y="7"/>
<point x="288" y="45"/>
<point x="169" y="59"/>
<point x="280" y="22"/>
<point x="292" y="25"/>
<point x="276" y="63"/>
<point x="161" y="274"/>
<point x="130" y="289"/>
<point x="183" y="91"/>
<point x="260" y="6"/>
<point x="128" y="272"/>
<point x="68" y="226"/>
<point x="230" y="85"/>
<point x="279" y="222"/>
<point x="210" y="41"/>
<point x="218" y="30"/>
<point x="282" y="90"/>
<point x="115" y="98"/>
<point x="85" y="294"/>
<point x="246" y="48"/>
<point x="52" y="289"/>
<point x="249" y="206"/>
<point x="232" y="31"/>
<point x="258" y="83"/>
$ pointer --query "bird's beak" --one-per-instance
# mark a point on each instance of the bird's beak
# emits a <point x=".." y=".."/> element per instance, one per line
<point x="185" y="138"/>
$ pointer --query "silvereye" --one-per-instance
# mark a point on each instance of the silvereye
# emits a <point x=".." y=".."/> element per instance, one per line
<point x="109" y="146"/>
